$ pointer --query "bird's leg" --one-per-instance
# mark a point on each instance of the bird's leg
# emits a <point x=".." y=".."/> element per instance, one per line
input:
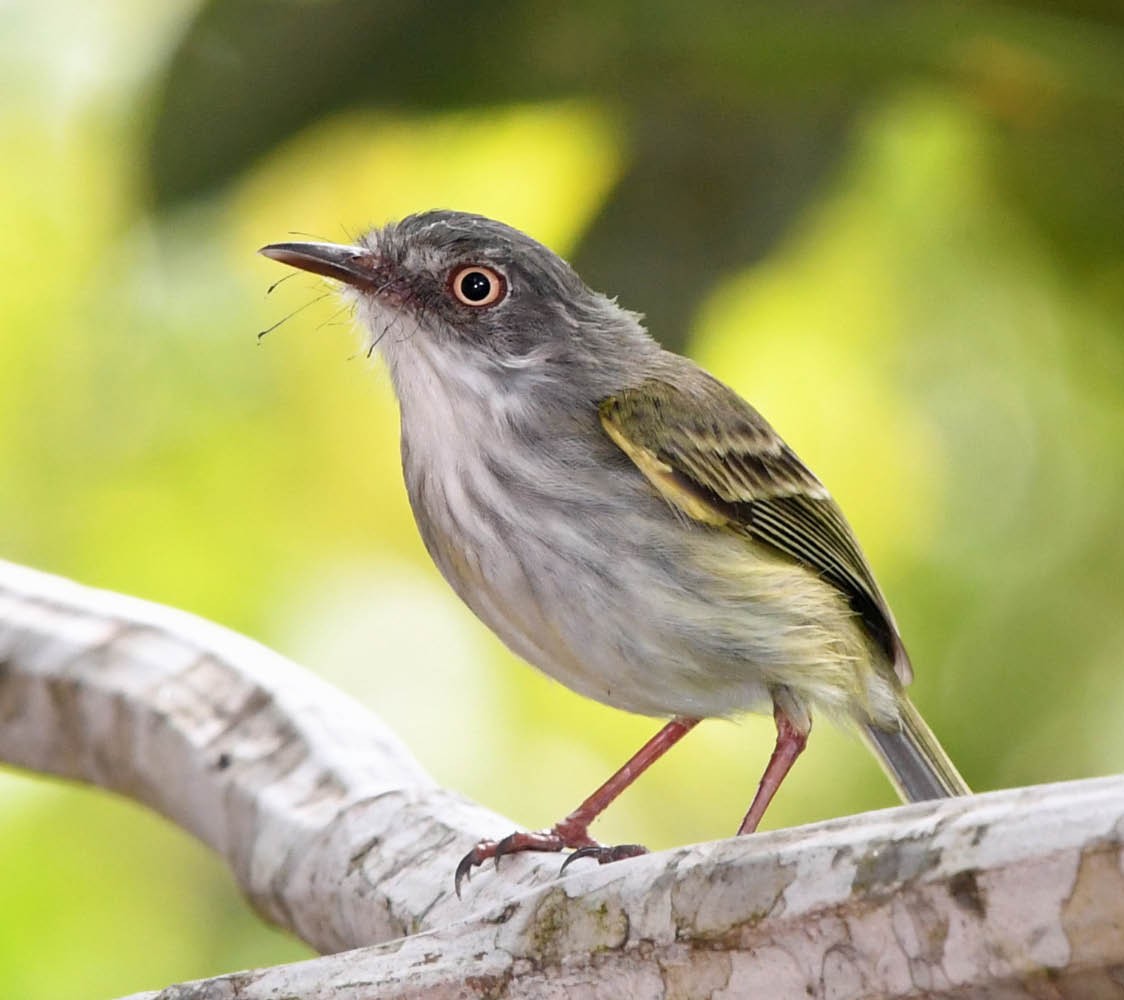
<point x="793" y="725"/>
<point x="573" y="831"/>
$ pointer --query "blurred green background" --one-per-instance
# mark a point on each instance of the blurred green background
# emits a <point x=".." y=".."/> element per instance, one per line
<point x="897" y="228"/>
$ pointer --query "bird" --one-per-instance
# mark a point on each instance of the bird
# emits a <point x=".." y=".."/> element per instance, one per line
<point x="620" y="518"/>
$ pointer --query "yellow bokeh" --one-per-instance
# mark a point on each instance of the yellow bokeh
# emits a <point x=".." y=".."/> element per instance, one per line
<point x="542" y="168"/>
<point x="809" y="340"/>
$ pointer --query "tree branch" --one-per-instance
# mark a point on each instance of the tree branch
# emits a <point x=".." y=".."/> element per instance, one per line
<point x="334" y="832"/>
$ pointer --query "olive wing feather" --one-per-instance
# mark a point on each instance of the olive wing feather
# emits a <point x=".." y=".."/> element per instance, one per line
<point x="714" y="457"/>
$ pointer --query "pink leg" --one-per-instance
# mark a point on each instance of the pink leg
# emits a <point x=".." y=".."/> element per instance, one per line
<point x="792" y="736"/>
<point x="574" y="825"/>
<point x="573" y="831"/>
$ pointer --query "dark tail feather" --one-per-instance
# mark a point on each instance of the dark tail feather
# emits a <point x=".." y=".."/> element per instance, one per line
<point x="915" y="762"/>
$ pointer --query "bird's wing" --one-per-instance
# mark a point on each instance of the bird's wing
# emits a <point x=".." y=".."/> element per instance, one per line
<point x="714" y="457"/>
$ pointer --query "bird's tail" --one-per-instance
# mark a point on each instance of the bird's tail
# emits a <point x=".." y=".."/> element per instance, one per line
<point x="914" y="760"/>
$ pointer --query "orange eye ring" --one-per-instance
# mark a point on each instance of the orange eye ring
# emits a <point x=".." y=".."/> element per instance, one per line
<point x="477" y="286"/>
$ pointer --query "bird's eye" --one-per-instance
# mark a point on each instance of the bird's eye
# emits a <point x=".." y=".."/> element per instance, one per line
<point x="476" y="285"/>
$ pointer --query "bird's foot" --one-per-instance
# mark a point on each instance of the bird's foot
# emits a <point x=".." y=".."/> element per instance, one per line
<point x="564" y="835"/>
<point x="558" y="838"/>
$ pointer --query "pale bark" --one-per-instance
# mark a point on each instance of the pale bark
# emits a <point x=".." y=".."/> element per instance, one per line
<point x="334" y="832"/>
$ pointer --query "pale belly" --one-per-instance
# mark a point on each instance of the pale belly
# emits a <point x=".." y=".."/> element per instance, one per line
<point x="614" y="595"/>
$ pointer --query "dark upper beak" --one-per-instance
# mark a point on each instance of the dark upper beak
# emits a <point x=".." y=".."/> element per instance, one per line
<point x="351" y="265"/>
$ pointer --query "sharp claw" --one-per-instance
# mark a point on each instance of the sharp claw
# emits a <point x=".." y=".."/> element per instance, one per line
<point x="464" y="871"/>
<point x="477" y="856"/>
<point x="581" y="852"/>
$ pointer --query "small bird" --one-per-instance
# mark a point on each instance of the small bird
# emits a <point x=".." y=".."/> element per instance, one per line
<point x="617" y="516"/>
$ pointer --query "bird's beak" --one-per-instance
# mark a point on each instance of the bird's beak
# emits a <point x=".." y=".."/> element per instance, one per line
<point x="350" y="264"/>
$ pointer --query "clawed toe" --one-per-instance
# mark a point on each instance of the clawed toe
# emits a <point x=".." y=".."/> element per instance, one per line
<point x="477" y="856"/>
<point x="558" y="839"/>
<point x="604" y="855"/>
<point x="516" y="843"/>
